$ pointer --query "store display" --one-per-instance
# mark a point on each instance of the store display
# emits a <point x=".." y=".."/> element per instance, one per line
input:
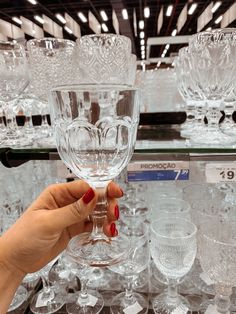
<point x="187" y="222"/>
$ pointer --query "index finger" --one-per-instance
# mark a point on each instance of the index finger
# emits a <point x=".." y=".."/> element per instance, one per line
<point x="60" y="195"/>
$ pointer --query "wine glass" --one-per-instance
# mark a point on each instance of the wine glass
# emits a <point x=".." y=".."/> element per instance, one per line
<point x="217" y="257"/>
<point x="173" y="249"/>
<point x="14" y="79"/>
<point x="136" y="262"/>
<point x="213" y="57"/>
<point x="99" y="143"/>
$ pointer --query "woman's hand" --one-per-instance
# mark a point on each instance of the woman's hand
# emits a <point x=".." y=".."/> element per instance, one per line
<point x="44" y="230"/>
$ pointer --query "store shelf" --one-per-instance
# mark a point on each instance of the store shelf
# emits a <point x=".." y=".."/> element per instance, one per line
<point x="162" y="142"/>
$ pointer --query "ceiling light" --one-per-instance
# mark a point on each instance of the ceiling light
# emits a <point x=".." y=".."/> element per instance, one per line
<point x="217" y="21"/>
<point x="32" y="2"/>
<point x="167" y="47"/>
<point x="60" y="18"/>
<point x="216" y="6"/>
<point x="141" y="24"/>
<point x="141" y="35"/>
<point x="192" y="8"/>
<point x="146" y="12"/>
<point x="169" y="10"/>
<point x="143" y="57"/>
<point x="68" y="30"/>
<point x="142" y="42"/>
<point x="125" y="14"/>
<point x="104" y="15"/>
<point x="17" y="20"/>
<point x="104" y="27"/>
<point x="165" y="51"/>
<point x="39" y="19"/>
<point x="163" y="55"/>
<point x="82" y="17"/>
<point x="174" y="32"/>
<point x="142" y="48"/>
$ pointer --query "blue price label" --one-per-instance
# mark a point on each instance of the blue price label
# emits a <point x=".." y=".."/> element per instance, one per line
<point x="158" y="171"/>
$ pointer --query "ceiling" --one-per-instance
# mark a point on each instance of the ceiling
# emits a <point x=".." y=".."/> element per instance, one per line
<point x="18" y="8"/>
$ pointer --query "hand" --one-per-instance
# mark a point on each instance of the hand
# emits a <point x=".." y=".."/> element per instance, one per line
<point x="46" y="227"/>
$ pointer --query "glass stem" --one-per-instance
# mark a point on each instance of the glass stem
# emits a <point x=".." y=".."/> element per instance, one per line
<point x="47" y="291"/>
<point x="172" y="293"/>
<point x="213" y="114"/>
<point x="83" y="296"/>
<point x="129" y="288"/>
<point x="222" y="299"/>
<point x="99" y="214"/>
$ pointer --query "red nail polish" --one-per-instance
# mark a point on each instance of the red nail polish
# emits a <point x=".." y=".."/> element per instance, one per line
<point x="113" y="229"/>
<point x="117" y="212"/>
<point x="88" y="196"/>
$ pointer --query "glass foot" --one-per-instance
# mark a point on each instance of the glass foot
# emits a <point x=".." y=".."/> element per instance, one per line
<point x="98" y="253"/>
<point x="92" y="305"/>
<point x="19" y="298"/>
<point x="120" y="303"/>
<point x="212" y="138"/>
<point x="162" y="306"/>
<point x="50" y="305"/>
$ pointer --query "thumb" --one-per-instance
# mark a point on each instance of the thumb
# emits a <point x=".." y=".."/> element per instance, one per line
<point x="73" y="213"/>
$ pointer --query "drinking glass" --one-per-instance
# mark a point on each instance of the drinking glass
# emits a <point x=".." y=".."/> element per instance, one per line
<point x="217" y="258"/>
<point x="104" y="59"/>
<point x="213" y="57"/>
<point x="98" y="144"/>
<point x="136" y="262"/>
<point x="189" y="91"/>
<point x="228" y="125"/>
<point x="52" y="62"/>
<point x="14" y="79"/>
<point x="50" y="298"/>
<point x="173" y="249"/>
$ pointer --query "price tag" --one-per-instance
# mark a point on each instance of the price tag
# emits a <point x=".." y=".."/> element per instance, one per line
<point x="206" y="279"/>
<point x="158" y="171"/>
<point x="220" y="172"/>
<point x="181" y="309"/>
<point x="133" y="309"/>
<point x="212" y="309"/>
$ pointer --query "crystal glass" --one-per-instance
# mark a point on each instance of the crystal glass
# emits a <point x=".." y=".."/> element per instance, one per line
<point x="19" y="298"/>
<point x="86" y="300"/>
<point x="171" y="207"/>
<point x="98" y="125"/>
<point x="14" y="79"/>
<point x="189" y="91"/>
<point x="52" y="62"/>
<point x="136" y="262"/>
<point x="104" y="59"/>
<point x="213" y="57"/>
<point x="228" y="126"/>
<point x="50" y="298"/>
<point x="217" y="258"/>
<point x="173" y="249"/>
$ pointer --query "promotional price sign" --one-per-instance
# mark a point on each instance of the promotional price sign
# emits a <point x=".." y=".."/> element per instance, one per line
<point x="158" y="170"/>
<point x="220" y="172"/>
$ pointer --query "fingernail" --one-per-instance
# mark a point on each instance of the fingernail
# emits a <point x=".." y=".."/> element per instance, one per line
<point x="88" y="196"/>
<point x="113" y="229"/>
<point x="117" y="212"/>
<point x="122" y="192"/>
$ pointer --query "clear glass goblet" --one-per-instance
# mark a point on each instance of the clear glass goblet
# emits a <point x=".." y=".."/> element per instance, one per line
<point x="14" y="79"/>
<point x="213" y="57"/>
<point x="104" y="59"/>
<point x="173" y="249"/>
<point x="98" y="144"/>
<point x="217" y="258"/>
<point x="136" y="262"/>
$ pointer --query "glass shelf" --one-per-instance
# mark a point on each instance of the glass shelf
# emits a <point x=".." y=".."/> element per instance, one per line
<point x="152" y="141"/>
